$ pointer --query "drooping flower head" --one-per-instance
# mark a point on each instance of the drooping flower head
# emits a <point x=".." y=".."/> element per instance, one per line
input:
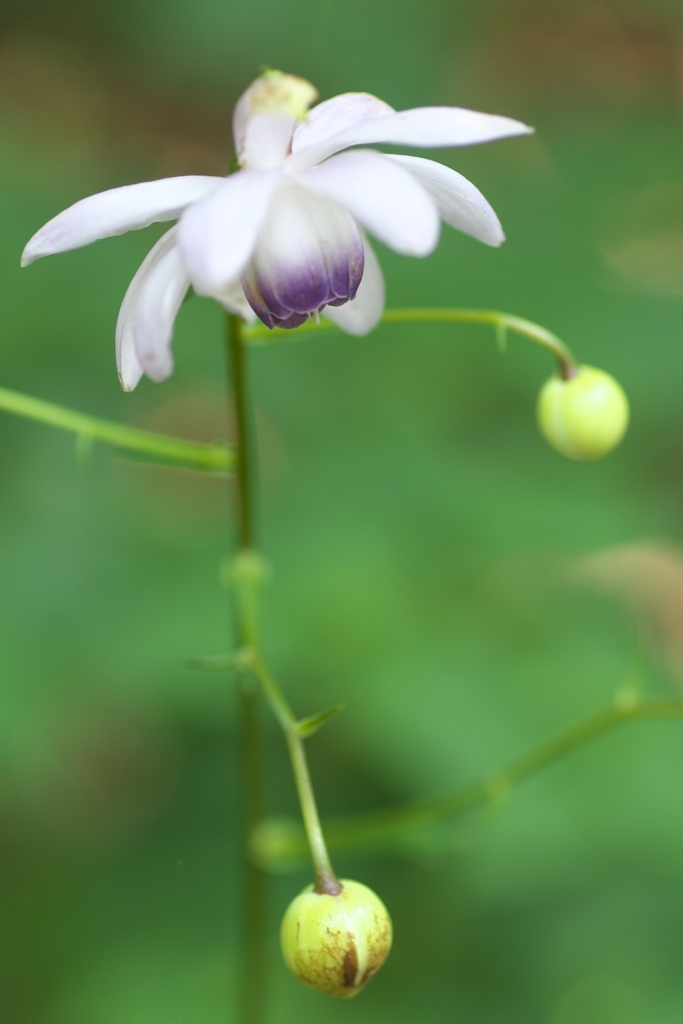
<point x="284" y="237"/>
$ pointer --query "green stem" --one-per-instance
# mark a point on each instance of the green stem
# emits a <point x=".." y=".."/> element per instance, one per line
<point x="502" y="322"/>
<point x="365" y="829"/>
<point x="255" y="882"/>
<point x="246" y="440"/>
<point x="247" y="576"/>
<point x="254" y="949"/>
<point x="212" y="458"/>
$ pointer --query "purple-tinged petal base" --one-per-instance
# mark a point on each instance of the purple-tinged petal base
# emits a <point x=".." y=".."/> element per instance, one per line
<point x="309" y="255"/>
<point x="361" y="314"/>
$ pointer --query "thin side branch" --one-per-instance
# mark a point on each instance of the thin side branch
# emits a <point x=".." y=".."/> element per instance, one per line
<point x="500" y="321"/>
<point x="130" y="441"/>
<point x="371" y="828"/>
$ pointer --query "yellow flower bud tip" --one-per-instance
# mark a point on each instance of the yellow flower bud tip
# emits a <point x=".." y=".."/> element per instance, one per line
<point x="584" y="417"/>
<point x="336" y="943"/>
<point x="275" y="92"/>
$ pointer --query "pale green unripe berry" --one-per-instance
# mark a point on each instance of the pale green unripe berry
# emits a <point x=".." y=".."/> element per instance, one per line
<point x="336" y="943"/>
<point x="584" y="417"/>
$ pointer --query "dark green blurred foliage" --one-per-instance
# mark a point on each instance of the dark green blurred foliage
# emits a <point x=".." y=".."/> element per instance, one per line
<point x="429" y="552"/>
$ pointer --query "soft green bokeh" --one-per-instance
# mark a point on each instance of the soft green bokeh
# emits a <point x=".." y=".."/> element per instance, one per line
<point x="429" y="550"/>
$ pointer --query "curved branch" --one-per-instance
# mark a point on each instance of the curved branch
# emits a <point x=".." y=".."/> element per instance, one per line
<point x="502" y="322"/>
<point x="281" y="846"/>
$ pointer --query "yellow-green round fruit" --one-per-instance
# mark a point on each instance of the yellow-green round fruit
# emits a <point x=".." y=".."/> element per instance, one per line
<point x="584" y="417"/>
<point x="336" y="943"/>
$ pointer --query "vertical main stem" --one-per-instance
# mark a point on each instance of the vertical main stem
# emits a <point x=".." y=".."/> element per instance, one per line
<point x="253" y="949"/>
<point x="255" y="890"/>
<point x="255" y="883"/>
<point x="245" y="441"/>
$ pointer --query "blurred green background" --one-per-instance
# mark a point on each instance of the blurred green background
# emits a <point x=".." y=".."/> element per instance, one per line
<point x="460" y="587"/>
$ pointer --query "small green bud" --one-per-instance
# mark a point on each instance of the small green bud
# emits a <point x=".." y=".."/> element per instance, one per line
<point x="336" y="943"/>
<point x="584" y="417"/>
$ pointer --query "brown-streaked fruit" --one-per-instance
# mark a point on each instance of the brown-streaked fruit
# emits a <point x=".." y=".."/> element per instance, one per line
<point x="336" y="943"/>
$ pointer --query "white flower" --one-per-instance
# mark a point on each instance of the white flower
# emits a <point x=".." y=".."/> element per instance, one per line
<point x="283" y="237"/>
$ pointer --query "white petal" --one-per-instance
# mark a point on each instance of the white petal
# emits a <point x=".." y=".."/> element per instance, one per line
<point x="127" y="362"/>
<point x="218" y="235"/>
<point x="428" y="127"/>
<point x="459" y="203"/>
<point x="234" y="300"/>
<point x="266" y="141"/>
<point x="337" y="115"/>
<point x="385" y="198"/>
<point x="363" y="313"/>
<point x="116" y="211"/>
<point x="153" y="312"/>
